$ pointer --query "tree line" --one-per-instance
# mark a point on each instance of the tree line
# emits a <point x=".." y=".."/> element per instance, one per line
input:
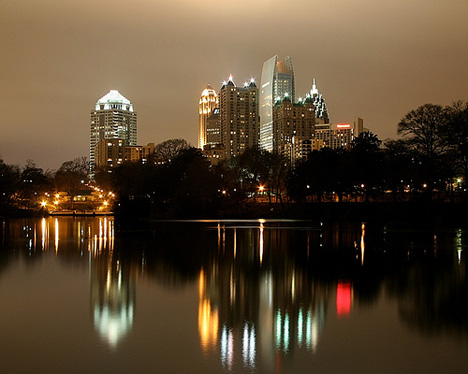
<point x="429" y="161"/>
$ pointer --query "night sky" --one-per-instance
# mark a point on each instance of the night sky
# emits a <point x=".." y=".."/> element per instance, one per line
<point x="373" y="59"/>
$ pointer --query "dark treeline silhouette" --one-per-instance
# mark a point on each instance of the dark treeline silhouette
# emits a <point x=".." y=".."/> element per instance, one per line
<point x="428" y="163"/>
<point x="23" y="189"/>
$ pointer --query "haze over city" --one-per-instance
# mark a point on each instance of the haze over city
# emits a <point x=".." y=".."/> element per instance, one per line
<point x="370" y="59"/>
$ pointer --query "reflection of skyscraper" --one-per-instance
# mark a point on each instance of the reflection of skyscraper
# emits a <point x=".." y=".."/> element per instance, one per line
<point x="253" y="311"/>
<point x="277" y="80"/>
<point x="112" y="290"/>
<point x="112" y="118"/>
<point x="208" y="102"/>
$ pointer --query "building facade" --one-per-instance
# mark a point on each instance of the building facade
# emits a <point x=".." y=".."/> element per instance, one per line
<point x="292" y="124"/>
<point x="339" y="135"/>
<point x="208" y="102"/>
<point x="277" y="80"/>
<point x="216" y="153"/>
<point x="112" y="118"/>
<point x="238" y="117"/>
<point x="110" y="153"/>
<point x="213" y="132"/>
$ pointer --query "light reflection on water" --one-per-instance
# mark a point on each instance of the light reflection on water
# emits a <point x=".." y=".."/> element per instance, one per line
<point x="266" y="290"/>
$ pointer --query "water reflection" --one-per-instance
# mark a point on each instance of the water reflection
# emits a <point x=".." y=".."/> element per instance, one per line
<point x="112" y="295"/>
<point x="112" y="284"/>
<point x="266" y="290"/>
<point x="262" y="298"/>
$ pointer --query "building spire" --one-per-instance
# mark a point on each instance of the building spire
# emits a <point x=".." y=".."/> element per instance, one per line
<point x="314" y="90"/>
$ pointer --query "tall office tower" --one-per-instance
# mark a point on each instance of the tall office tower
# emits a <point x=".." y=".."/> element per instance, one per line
<point x="321" y="111"/>
<point x="213" y="133"/>
<point x="238" y="117"/>
<point x="277" y="80"/>
<point x="112" y="118"/>
<point x="208" y="102"/>
<point x="292" y="124"/>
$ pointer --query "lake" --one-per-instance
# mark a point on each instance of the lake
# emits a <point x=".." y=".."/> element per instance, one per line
<point x="94" y="295"/>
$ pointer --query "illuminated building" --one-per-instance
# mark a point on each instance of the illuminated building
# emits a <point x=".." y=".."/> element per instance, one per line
<point x="216" y="153"/>
<point x="139" y="153"/>
<point x="208" y="102"/>
<point x="213" y="132"/>
<point x="112" y="118"/>
<point x="292" y="123"/>
<point x="321" y="111"/>
<point x="302" y="148"/>
<point x="238" y="117"/>
<point x="110" y="153"/>
<point x="277" y="80"/>
<point x="339" y="135"/>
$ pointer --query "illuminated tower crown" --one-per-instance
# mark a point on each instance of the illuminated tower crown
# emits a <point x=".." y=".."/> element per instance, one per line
<point x="208" y="102"/>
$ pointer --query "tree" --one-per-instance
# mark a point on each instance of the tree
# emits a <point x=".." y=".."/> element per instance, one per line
<point x="9" y="182"/>
<point x="399" y="167"/>
<point x="425" y="130"/>
<point x="367" y="161"/>
<point x="458" y="135"/>
<point x="166" y="151"/>
<point x="34" y="183"/>
<point x="71" y="176"/>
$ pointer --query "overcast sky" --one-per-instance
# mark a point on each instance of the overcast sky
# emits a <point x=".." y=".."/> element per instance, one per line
<point x="371" y="58"/>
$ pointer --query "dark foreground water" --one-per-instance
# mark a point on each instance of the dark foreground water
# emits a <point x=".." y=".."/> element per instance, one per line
<point x="87" y="295"/>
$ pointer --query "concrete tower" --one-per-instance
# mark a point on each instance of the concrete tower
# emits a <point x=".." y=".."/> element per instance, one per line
<point x="238" y="117"/>
<point x="208" y="102"/>
<point x="112" y="118"/>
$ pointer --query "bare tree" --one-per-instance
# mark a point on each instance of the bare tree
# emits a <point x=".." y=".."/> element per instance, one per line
<point x="166" y="151"/>
<point x="458" y="135"/>
<point x="425" y="130"/>
<point x="71" y="176"/>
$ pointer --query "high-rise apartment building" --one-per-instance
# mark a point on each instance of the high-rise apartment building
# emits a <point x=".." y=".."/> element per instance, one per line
<point x="238" y="117"/>
<point x="112" y="118"/>
<point x="208" y="103"/>
<point x="277" y="80"/>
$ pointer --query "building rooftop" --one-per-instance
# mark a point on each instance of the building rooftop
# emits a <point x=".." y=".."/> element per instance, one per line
<point x="114" y="100"/>
<point x="113" y="96"/>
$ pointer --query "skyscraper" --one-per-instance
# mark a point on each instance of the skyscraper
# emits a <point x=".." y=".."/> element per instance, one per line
<point x="208" y="102"/>
<point x="277" y="80"/>
<point x="321" y="111"/>
<point x="238" y="116"/>
<point x="112" y="118"/>
<point x="292" y="123"/>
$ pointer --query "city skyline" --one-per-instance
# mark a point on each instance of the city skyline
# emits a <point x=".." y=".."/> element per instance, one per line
<point x="374" y="61"/>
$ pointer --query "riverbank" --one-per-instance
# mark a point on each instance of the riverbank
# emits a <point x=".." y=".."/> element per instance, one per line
<point x="414" y="212"/>
<point x="423" y="212"/>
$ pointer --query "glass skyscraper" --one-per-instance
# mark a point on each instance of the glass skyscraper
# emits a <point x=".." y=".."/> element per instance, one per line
<point x="277" y="81"/>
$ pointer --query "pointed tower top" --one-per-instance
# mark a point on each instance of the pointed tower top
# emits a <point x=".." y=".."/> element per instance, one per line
<point x="314" y="90"/>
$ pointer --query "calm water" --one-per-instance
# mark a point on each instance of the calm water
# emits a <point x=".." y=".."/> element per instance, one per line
<point x="84" y="295"/>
